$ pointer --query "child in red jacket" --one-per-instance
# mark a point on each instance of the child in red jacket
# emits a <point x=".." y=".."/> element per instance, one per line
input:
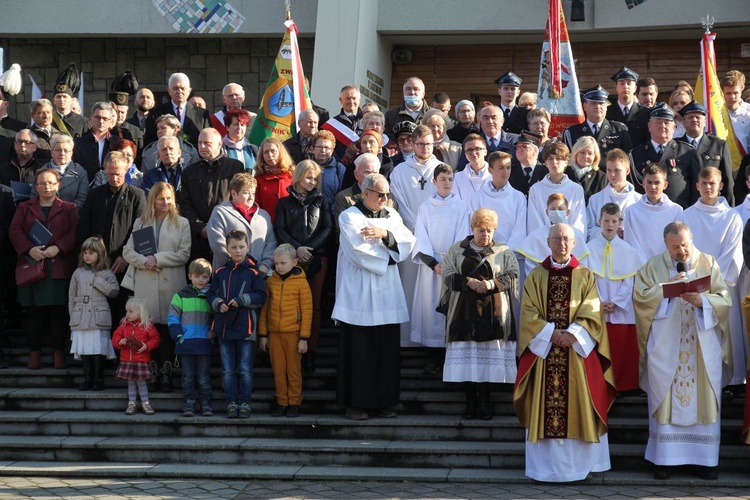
<point x="135" y="338"/>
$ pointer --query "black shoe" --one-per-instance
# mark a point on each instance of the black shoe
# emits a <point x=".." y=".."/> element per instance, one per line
<point x="432" y="367"/>
<point x="707" y="473"/>
<point x="279" y="411"/>
<point x="293" y="411"/>
<point x="662" y="473"/>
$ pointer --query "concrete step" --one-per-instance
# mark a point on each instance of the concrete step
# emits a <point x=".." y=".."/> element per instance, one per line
<point x="66" y="423"/>
<point x="320" y="452"/>
<point x="145" y="470"/>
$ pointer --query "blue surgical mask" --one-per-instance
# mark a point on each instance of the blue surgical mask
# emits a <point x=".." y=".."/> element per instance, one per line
<point x="557" y="216"/>
<point x="412" y="100"/>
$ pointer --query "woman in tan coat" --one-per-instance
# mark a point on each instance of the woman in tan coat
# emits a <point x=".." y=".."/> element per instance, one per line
<point x="159" y="276"/>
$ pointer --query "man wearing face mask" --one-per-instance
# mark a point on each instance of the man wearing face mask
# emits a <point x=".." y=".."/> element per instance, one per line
<point x="534" y="247"/>
<point x="413" y="107"/>
<point x="685" y="351"/>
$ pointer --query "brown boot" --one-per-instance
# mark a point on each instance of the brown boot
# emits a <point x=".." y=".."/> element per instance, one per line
<point x="35" y="360"/>
<point x="60" y="362"/>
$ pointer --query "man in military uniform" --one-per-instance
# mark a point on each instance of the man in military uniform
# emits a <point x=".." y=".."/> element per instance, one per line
<point x="509" y="88"/>
<point x="123" y="87"/>
<point x="712" y="151"/>
<point x="679" y="158"/>
<point x="66" y="87"/>
<point x="608" y="134"/>
<point x="11" y="83"/>
<point x="626" y="108"/>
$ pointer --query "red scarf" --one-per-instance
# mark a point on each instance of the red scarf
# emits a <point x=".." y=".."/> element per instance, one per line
<point x="247" y="212"/>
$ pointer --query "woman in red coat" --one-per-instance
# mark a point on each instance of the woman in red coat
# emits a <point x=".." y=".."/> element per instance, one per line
<point x="273" y="173"/>
<point x="46" y="300"/>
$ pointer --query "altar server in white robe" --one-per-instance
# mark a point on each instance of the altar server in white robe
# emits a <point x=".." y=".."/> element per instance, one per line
<point x="510" y="206"/>
<point x="370" y="302"/>
<point x="649" y="216"/>
<point x="535" y="247"/>
<point x="619" y="191"/>
<point x="718" y="232"/>
<point x="470" y="180"/>
<point x="411" y="186"/>
<point x="442" y="220"/>
<point x="555" y="157"/>
<point x="685" y="352"/>
<point x="614" y="263"/>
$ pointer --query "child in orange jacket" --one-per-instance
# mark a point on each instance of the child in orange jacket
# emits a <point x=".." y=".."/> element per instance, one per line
<point x="136" y="337"/>
<point x="284" y="328"/>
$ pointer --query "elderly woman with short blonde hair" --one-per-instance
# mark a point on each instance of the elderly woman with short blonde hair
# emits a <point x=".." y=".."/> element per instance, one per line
<point x="480" y="279"/>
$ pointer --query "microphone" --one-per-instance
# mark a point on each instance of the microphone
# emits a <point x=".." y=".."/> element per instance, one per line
<point x="681" y="268"/>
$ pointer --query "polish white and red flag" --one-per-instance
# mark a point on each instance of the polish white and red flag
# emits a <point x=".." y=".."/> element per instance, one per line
<point x="343" y="134"/>
<point x="558" y="90"/>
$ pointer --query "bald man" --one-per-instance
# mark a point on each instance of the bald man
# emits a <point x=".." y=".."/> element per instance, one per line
<point x="205" y="184"/>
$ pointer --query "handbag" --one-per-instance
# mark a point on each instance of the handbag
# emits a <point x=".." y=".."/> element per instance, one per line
<point x="128" y="280"/>
<point x="29" y="273"/>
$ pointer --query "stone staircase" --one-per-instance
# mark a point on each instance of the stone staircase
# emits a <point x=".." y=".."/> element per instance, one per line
<point x="48" y="427"/>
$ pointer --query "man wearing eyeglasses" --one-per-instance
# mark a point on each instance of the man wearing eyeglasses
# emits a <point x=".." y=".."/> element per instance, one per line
<point x="299" y="146"/>
<point x="565" y="383"/>
<point x="22" y="163"/>
<point x="373" y="240"/>
<point x="91" y="148"/>
<point x="233" y="96"/>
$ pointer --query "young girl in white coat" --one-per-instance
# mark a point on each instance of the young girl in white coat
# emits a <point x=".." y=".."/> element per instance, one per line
<point x="90" y="320"/>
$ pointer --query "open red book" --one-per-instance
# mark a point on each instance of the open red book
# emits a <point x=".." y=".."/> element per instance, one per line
<point x="676" y="288"/>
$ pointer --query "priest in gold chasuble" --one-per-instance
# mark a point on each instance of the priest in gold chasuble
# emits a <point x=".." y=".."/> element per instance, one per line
<point x="565" y="384"/>
<point x="685" y="354"/>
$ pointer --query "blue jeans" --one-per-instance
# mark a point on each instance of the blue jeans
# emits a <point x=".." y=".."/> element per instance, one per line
<point x="196" y="370"/>
<point x="237" y="369"/>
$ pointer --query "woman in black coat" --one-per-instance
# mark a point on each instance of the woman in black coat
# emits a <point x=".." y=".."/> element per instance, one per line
<point x="304" y="220"/>
<point x="584" y="167"/>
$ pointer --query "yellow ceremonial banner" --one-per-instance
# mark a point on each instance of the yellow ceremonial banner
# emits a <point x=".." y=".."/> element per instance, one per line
<point x="716" y="108"/>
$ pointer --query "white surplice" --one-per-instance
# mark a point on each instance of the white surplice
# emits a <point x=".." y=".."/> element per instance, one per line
<point x="643" y="224"/>
<point x="368" y="290"/>
<point x="615" y="263"/>
<point x="680" y="334"/>
<point x="467" y="182"/>
<point x="441" y="222"/>
<point x="624" y="199"/>
<point x="717" y="230"/>
<point x="411" y="185"/>
<point x="540" y="191"/>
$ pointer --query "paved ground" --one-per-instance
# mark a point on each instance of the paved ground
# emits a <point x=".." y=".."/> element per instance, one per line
<point x="142" y="489"/>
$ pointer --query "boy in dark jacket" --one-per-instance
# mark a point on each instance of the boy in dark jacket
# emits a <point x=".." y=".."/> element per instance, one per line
<point x="189" y="323"/>
<point x="236" y="292"/>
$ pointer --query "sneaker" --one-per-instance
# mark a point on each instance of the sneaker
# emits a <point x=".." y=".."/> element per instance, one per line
<point x="244" y="411"/>
<point x="130" y="410"/>
<point x="206" y="411"/>
<point x="188" y="411"/>
<point x="279" y="411"/>
<point x="232" y="410"/>
<point x="147" y="409"/>
<point x="293" y="411"/>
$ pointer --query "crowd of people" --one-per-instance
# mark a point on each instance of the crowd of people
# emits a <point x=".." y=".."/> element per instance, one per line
<point x="510" y="256"/>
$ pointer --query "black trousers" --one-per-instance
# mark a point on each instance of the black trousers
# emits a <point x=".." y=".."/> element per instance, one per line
<point x="47" y="321"/>
<point x="369" y="366"/>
